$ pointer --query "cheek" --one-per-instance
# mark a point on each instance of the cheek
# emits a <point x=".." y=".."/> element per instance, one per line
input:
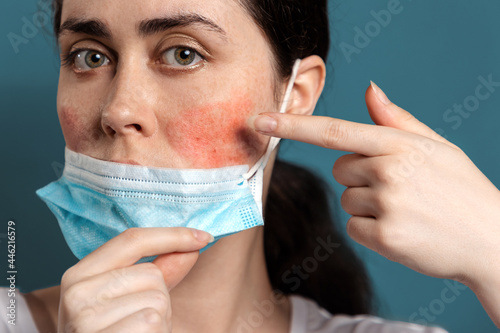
<point x="76" y="130"/>
<point x="216" y="135"/>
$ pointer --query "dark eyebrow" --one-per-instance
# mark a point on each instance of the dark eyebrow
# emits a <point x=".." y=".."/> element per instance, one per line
<point x="154" y="26"/>
<point x="92" y="27"/>
<point x="97" y="28"/>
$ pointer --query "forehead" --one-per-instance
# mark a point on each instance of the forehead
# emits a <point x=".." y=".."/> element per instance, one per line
<point x="228" y="14"/>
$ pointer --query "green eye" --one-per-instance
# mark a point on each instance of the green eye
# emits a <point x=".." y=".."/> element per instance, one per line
<point x="181" y="57"/>
<point x="184" y="56"/>
<point x="88" y="59"/>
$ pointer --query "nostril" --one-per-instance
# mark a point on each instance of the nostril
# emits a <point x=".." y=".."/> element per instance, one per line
<point x="109" y="130"/>
<point x="137" y="127"/>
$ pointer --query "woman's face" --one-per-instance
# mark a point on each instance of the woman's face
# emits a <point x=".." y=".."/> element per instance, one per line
<point x="163" y="83"/>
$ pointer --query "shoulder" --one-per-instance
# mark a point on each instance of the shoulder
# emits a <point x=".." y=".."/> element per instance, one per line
<point x="17" y="317"/>
<point x="308" y="317"/>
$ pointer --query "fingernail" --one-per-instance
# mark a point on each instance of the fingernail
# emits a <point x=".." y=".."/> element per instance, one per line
<point x="202" y="236"/>
<point x="265" y="124"/>
<point x="380" y="94"/>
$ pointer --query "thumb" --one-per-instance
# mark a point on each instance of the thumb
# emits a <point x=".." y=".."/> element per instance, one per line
<point x="385" y="113"/>
<point x="175" y="266"/>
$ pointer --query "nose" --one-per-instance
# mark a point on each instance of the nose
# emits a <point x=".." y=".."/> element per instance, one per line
<point x="129" y="108"/>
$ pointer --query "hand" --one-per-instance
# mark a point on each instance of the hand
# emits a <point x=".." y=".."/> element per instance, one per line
<point x="414" y="197"/>
<point x="106" y="292"/>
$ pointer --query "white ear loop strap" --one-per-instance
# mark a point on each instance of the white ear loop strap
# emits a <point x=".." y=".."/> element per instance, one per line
<point x="274" y="141"/>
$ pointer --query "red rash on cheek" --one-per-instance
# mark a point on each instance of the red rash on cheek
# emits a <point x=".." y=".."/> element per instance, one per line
<point x="216" y="135"/>
<point x="76" y="131"/>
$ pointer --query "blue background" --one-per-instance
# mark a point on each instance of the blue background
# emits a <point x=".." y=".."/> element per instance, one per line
<point x="427" y="59"/>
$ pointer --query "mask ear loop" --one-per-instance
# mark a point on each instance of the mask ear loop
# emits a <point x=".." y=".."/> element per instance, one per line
<point x="274" y="141"/>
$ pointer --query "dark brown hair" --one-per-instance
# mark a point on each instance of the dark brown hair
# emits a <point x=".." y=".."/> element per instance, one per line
<point x="298" y="217"/>
<point x="305" y="253"/>
<point x="295" y="29"/>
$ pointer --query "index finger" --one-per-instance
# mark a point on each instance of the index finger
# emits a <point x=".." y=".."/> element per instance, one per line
<point x="331" y="133"/>
<point x="135" y="243"/>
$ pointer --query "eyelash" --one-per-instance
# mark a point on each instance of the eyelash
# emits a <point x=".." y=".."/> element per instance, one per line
<point x="68" y="59"/>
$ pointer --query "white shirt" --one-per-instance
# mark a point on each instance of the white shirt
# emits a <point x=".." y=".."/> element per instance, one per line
<point x="307" y="317"/>
<point x="23" y="320"/>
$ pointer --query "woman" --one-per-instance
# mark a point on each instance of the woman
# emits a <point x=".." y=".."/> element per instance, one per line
<point x="122" y="103"/>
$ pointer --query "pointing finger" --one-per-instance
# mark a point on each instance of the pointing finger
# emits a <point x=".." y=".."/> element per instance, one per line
<point x="331" y="133"/>
<point x="384" y="112"/>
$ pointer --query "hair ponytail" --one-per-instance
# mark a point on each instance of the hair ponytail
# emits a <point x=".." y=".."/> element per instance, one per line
<point x="305" y="254"/>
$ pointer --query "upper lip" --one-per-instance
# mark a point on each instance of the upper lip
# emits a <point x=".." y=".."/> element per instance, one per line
<point x="126" y="162"/>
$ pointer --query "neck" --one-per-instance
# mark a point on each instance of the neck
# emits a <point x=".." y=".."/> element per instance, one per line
<point x="228" y="290"/>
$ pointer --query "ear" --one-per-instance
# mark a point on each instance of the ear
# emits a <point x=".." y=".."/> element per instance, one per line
<point x="308" y="86"/>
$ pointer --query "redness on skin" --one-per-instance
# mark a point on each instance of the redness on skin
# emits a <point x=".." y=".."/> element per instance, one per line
<point x="76" y="131"/>
<point x="216" y="135"/>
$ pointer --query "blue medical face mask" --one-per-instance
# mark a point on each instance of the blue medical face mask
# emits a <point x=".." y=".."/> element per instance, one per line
<point x="96" y="200"/>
